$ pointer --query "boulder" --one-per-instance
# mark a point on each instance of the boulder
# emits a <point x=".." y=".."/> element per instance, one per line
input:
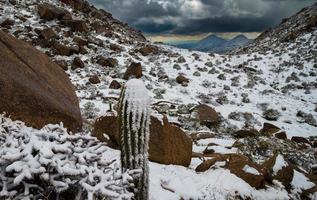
<point x="181" y="79"/>
<point x="280" y="169"/>
<point x="148" y="49"/>
<point x="207" y="116"/>
<point x="239" y="165"/>
<point x="80" y="41"/>
<point x="299" y="139"/>
<point x="34" y="89"/>
<point x="49" y="12"/>
<point x="94" y="79"/>
<point x="77" y="63"/>
<point x="245" y="133"/>
<point x="7" y="23"/>
<point x="248" y="171"/>
<point x="107" y="62"/>
<point x="134" y="71"/>
<point x="168" y="143"/>
<point x="62" y="49"/>
<point x="76" y="25"/>
<point x="115" y="85"/>
<point x="106" y="130"/>
<point x="47" y="33"/>
<point x="269" y="129"/>
<point x="281" y="135"/>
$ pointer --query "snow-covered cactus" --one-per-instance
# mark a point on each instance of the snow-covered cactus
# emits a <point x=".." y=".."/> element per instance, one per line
<point x="134" y="119"/>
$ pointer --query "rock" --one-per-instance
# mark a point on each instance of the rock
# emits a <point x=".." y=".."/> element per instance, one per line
<point x="182" y="79"/>
<point x="181" y="59"/>
<point x="50" y="12"/>
<point x="245" y="133"/>
<point x="34" y="89"/>
<point x="62" y="64"/>
<point x="80" y="41"/>
<point x="47" y="33"/>
<point x="239" y="165"/>
<point x="77" y="63"/>
<point x="168" y="143"/>
<point x="115" y="85"/>
<point x="148" y="49"/>
<point x="271" y="114"/>
<point x="80" y="5"/>
<point x="308" y="118"/>
<point x="107" y="62"/>
<point x="207" y="164"/>
<point x="7" y="23"/>
<point x="115" y="47"/>
<point x="299" y="139"/>
<point x="269" y="129"/>
<point x="133" y="71"/>
<point x="76" y="25"/>
<point x="207" y="116"/>
<point x="280" y="169"/>
<point x="94" y="79"/>
<point x="281" y="135"/>
<point x="107" y="125"/>
<point x="63" y="50"/>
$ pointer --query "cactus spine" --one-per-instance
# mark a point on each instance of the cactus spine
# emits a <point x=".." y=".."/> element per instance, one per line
<point x="134" y="119"/>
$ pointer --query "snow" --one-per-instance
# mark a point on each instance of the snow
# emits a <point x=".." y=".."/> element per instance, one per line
<point x="300" y="181"/>
<point x="250" y="170"/>
<point x="279" y="164"/>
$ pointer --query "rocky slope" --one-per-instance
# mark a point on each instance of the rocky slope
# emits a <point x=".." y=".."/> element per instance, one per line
<point x="251" y="115"/>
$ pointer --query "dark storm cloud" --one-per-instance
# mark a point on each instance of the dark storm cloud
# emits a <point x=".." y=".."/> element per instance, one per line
<point x="201" y="16"/>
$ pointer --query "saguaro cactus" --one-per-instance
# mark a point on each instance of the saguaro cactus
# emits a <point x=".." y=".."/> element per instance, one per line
<point x="134" y="119"/>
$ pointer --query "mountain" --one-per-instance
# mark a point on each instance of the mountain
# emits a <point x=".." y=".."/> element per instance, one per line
<point x="215" y="44"/>
<point x="234" y="126"/>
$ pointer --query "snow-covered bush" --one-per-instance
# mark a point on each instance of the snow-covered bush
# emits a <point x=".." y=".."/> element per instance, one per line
<point x="134" y="119"/>
<point x="50" y="164"/>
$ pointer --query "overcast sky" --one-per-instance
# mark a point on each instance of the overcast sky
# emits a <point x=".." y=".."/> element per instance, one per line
<point x="201" y="16"/>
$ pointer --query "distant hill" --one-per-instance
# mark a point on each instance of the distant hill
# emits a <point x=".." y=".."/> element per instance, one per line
<point x="213" y="43"/>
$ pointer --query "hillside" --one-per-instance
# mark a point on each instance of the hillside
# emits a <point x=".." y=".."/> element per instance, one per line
<point x="215" y="44"/>
<point x="238" y="126"/>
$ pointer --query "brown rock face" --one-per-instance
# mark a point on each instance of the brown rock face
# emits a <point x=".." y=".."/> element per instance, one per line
<point x="168" y="143"/>
<point x="207" y="115"/>
<point x="34" y="89"/>
<point x="47" y="33"/>
<point x="134" y="70"/>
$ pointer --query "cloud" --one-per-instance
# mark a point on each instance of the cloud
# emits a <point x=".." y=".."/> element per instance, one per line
<point x="201" y="16"/>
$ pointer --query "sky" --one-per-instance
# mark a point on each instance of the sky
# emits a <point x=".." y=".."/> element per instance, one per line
<point x="194" y="19"/>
